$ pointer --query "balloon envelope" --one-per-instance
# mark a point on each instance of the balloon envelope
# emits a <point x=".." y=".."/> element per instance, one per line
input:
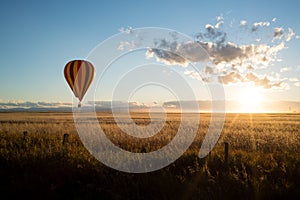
<point x="79" y="74"/>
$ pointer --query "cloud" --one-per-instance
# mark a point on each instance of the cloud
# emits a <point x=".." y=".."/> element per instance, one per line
<point x="264" y="81"/>
<point x="193" y="74"/>
<point x="192" y="51"/>
<point x="274" y="19"/>
<point x="289" y="35"/>
<point x="172" y="53"/>
<point x="285" y="69"/>
<point x="297" y="84"/>
<point x="230" y="53"/>
<point x="250" y="67"/>
<point x="231" y="77"/>
<point x="106" y="105"/>
<point x="293" y="79"/>
<point x="219" y="24"/>
<point x="27" y="105"/>
<point x="220" y="18"/>
<point x="203" y="105"/>
<point x="233" y="105"/>
<point x="258" y="55"/>
<point x="220" y="51"/>
<point x="212" y="34"/>
<point x="209" y="70"/>
<point x="278" y="33"/>
<point x="166" y="57"/>
<point x="67" y="106"/>
<point x="232" y="62"/>
<point x="256" y="25"/>
<point x="221" y="54"/>
<point x="243" y="23"/>
<point x="127" y="30"/>
<point x="126" y="45"/>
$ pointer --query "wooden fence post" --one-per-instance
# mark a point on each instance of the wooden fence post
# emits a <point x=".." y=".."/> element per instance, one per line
<point x="25" y="133"/>
<point x="209" y="154"/>
<point x="65" y="139"/>
<point x="226" y="146"/>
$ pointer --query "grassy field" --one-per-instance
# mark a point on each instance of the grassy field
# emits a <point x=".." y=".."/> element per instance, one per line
<point x="264" y="160"/>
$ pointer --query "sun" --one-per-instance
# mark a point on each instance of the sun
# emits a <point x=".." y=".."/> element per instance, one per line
<point x="249" y="99"/>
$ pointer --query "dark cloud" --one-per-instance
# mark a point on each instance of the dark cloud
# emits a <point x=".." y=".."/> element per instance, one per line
<point x="231" y="77"/>
<point x="35" y="106"/>
<point x="67" y="107"/>
<point x="239" y="58"/>
<point x="167" y="57"/>
<point x="235" y="77"/>
<point x="278" y="33"/>
<point x="264" y="82"/>
<point x="250" y="67"/>
<point x="172" y="53"/>
<point x="229" y="61"/>
<point x="209" y="70"/>
<point x="212" y="34"/>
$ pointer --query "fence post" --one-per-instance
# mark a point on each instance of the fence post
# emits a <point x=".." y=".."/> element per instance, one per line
<point x="209" y="154"/>
<point x="65" y="139"/>
<point x="226" y="146"/>
<point x="25" y="133"/>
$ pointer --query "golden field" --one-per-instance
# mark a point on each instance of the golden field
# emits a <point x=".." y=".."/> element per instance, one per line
<point x="264" y="159"/>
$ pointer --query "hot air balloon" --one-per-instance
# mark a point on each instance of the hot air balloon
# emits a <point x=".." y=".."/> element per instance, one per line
<point x="79" y="74"/>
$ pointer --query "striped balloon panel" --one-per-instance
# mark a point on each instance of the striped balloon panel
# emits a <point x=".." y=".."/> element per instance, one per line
<point x="79" y="75"/>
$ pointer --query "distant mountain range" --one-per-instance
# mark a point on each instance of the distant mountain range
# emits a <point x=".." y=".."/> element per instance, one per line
<point x="170" y="106"/>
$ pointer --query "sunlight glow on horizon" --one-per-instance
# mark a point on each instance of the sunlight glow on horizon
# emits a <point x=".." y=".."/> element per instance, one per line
<point x="250" y="99"/>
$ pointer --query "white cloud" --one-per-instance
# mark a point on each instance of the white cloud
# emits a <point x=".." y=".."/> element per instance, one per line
<point x="126" y="45"/>
<point x="274" y="49"/>
<point x="127" y="30"/>
<point x="297" y="84"/>
<point x="243" y="23"/>
<point x="274" y="19"/>
<point x="18" y="104"/>
<point x="293" y="79"/>
<point x="224" y="56"/>
<point x="231" y="62"/>
<point x="285" y="69"/>
<point x="220" y="18"/>
<point x="209" y="26"/>
<point x="256" y="25"/>
<point x="193" y="74"/>
<point x="219" y="24"/>
<point x="289" y="35"/>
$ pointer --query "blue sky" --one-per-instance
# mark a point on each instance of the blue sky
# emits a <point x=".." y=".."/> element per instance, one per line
<point x="39" y="37"/>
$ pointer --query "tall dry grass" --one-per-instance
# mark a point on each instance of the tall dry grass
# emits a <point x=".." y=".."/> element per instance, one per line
<point x="264" y="159"/>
